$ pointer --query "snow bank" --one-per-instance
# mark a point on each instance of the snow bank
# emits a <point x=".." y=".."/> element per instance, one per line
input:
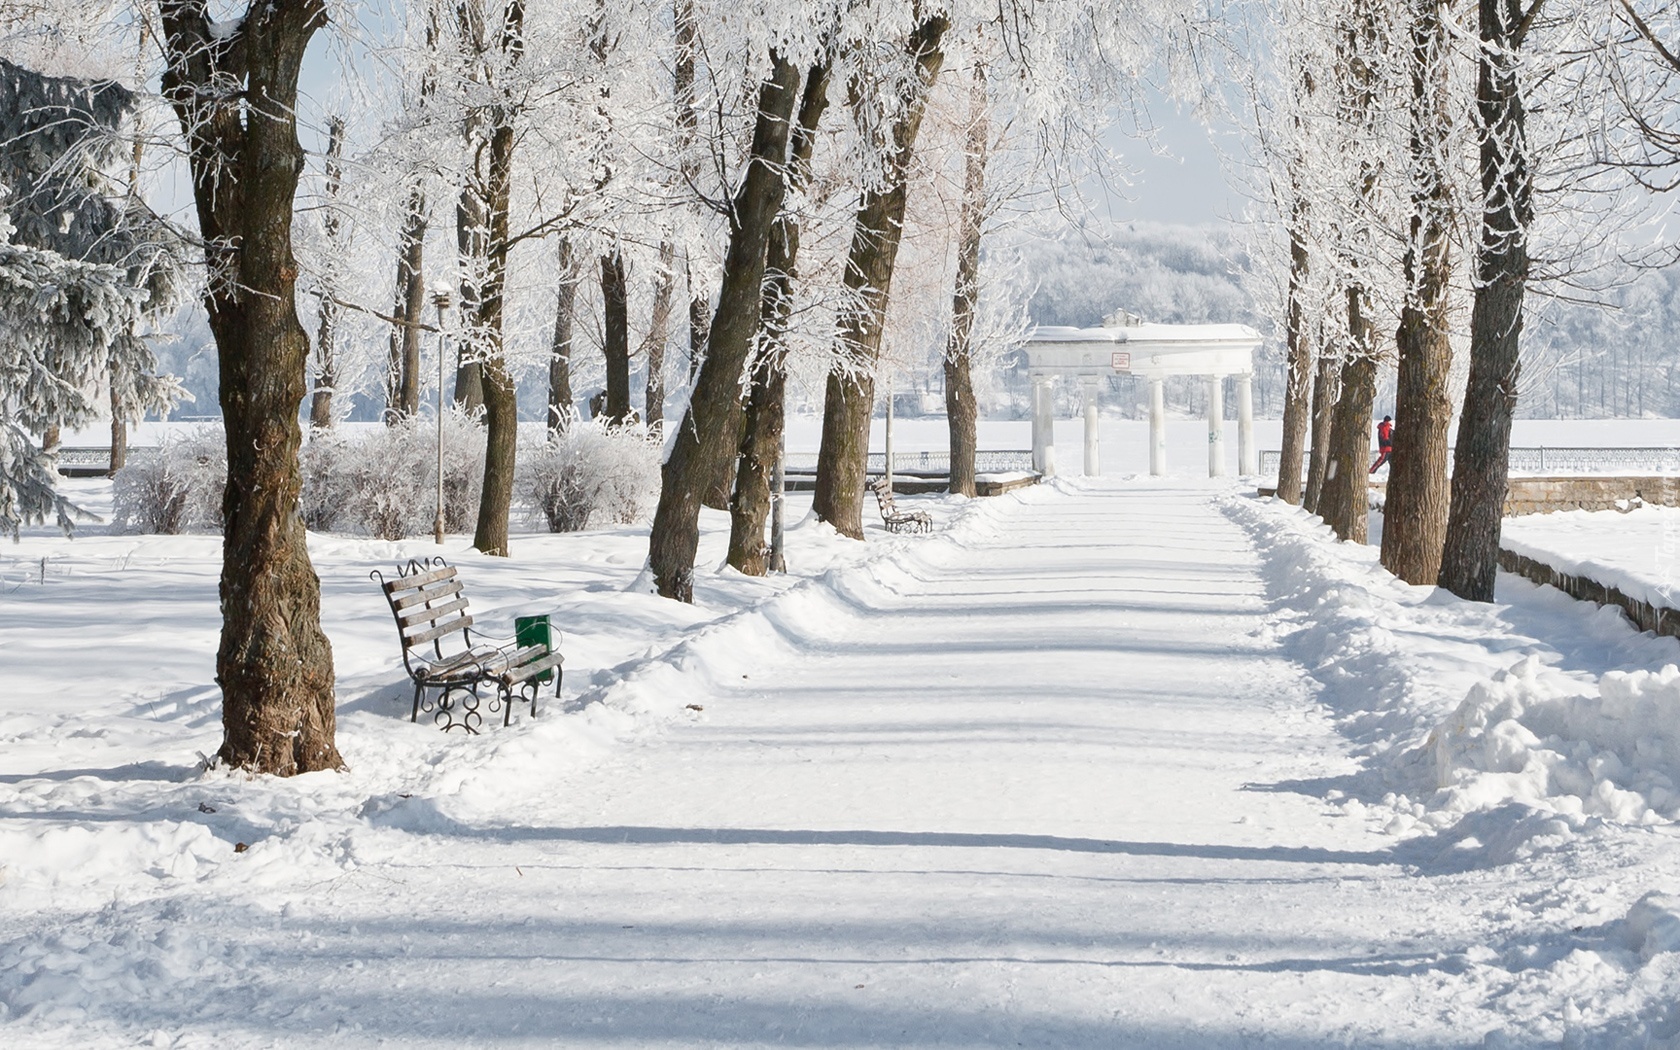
<point x="1457" y="707"/>
<point x="1530" y="735"/>
<point x="1652" y="926"/>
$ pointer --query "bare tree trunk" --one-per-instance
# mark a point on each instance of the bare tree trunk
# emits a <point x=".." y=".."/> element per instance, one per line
<point x="402" y="390"/>
<point x="1327" y="383"/>
<point x="761" y="447"/>
<point x="688" y="124"/>
<point x="961" y="412"/>
<point x="1481" y="459"/>
<point x="1298" y="383"/>
<point x="119" y="435"/>
<point x="326" y="357"/>
<point x="1343" y="502"/>
<point x="615" y="295"/>
<point x="274" y="663"/>
<point x="137" y="154"/>
<point x="705" y="436"/>
<point x="561" y="401"/>
<point x="472" y="221"/>
<point x="652" y="349"/>
<point x="1415" y="511"/>
<point x="761" y="441"/>
<point x="501" y="404"/>
<point x="843" y="458"/>
<point x="699" y="326"/>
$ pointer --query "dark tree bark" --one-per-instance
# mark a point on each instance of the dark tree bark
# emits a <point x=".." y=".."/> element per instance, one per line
<point x="705" y="436"/>
<point x="1481" y="459"/>
<point x="235" y="96"/>
<point x="1415" y="511"/>
<point x="961" y="412"/>
<point x="1327" y="382"/>
<point x="1343" y="501"/>
<point x="561" y="401"/>
<point x="652" y="350"/>
<point x="402" y="391"/>
<point x="615" y="294"/>
<point x="501" y="404"/>
<point x="1298" y="381"/>
<point x="765" y="423"/>
<point x="326" y="356"/>
<point x="843" y="459"/>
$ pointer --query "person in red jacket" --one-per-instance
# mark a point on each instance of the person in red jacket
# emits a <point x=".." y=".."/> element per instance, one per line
<point x="1385" y="442"/>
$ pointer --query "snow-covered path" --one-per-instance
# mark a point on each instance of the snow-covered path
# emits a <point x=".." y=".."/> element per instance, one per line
<point x="1059" y="787"/>
<point x="1030" y="801"/>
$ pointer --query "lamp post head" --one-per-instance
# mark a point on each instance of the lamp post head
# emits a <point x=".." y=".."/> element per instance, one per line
<point x="442" y="299"/>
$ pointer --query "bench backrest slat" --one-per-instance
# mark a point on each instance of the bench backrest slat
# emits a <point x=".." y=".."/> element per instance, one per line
<point x="883" y="496"/>
<point x="432" y="634"/>
<point x="418" y="579"/>
<point x="426" y="594"/>
<point x="429" y="613"/>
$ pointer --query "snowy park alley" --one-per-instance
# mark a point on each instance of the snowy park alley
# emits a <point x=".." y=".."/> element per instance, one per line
<point x="1081" y="769"/>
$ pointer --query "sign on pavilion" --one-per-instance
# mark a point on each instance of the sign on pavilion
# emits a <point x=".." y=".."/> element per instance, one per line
<point x="1127" y="346"/>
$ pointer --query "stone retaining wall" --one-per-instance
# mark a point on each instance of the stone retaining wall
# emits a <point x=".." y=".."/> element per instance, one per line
<point x="1659" y="618"/>
<point x="1541" y="495"/>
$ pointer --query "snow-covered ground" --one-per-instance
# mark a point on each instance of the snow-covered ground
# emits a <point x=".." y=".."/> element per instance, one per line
<point x="1099" y="763"/>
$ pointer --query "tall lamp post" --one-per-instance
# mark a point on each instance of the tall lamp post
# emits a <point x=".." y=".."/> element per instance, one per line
<point x="441" y="301"/>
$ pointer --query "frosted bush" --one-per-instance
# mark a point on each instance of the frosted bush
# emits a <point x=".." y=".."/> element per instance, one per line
<point x="592" y="473"/>
<point x="382" y="481"/>
<point x="176" y="487"/>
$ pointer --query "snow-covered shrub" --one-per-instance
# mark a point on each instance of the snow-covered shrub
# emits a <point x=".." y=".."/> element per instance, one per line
<point x="592" y="472"/>
<point x="322" y="463"/>
<point x="383" y="480"/>
<point x="176" y="487"/>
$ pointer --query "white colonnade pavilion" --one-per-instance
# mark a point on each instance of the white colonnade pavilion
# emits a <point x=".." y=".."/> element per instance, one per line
<point x="1125" y="346"/>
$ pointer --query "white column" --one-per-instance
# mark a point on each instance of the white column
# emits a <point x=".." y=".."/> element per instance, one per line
<point x="1216" y="427"/>
<point x="1157" y="427"/>
<point x="1248" y="457"/>
<point x="1043" y="427"/>
<point x="1088" y="386"/>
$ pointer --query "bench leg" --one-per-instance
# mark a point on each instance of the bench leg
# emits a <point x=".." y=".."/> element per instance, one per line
<point x="419" y="691"/>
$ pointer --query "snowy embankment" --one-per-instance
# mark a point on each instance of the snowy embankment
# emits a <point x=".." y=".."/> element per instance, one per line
<point x="1466" y="707"/>
<point x="1499" y="730"/>
<point x="1637" y="552"/>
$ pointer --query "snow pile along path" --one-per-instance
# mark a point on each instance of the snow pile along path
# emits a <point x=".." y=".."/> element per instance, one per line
<point x="1468" y="707"/>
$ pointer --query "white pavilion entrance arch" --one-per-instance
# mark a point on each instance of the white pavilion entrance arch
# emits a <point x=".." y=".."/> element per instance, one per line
<point x="1154" y="352"/>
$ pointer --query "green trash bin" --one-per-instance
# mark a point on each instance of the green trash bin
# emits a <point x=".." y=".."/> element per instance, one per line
<point x="535" y="630"/>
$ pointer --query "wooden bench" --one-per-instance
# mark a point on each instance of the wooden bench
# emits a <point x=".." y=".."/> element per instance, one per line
<point x="427" y="599"/>
<point x="894" y="519"/>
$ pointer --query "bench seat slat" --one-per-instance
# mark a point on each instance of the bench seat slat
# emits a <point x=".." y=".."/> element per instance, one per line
<point x="430" y="594"/>
<point x="521" y="672"/>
